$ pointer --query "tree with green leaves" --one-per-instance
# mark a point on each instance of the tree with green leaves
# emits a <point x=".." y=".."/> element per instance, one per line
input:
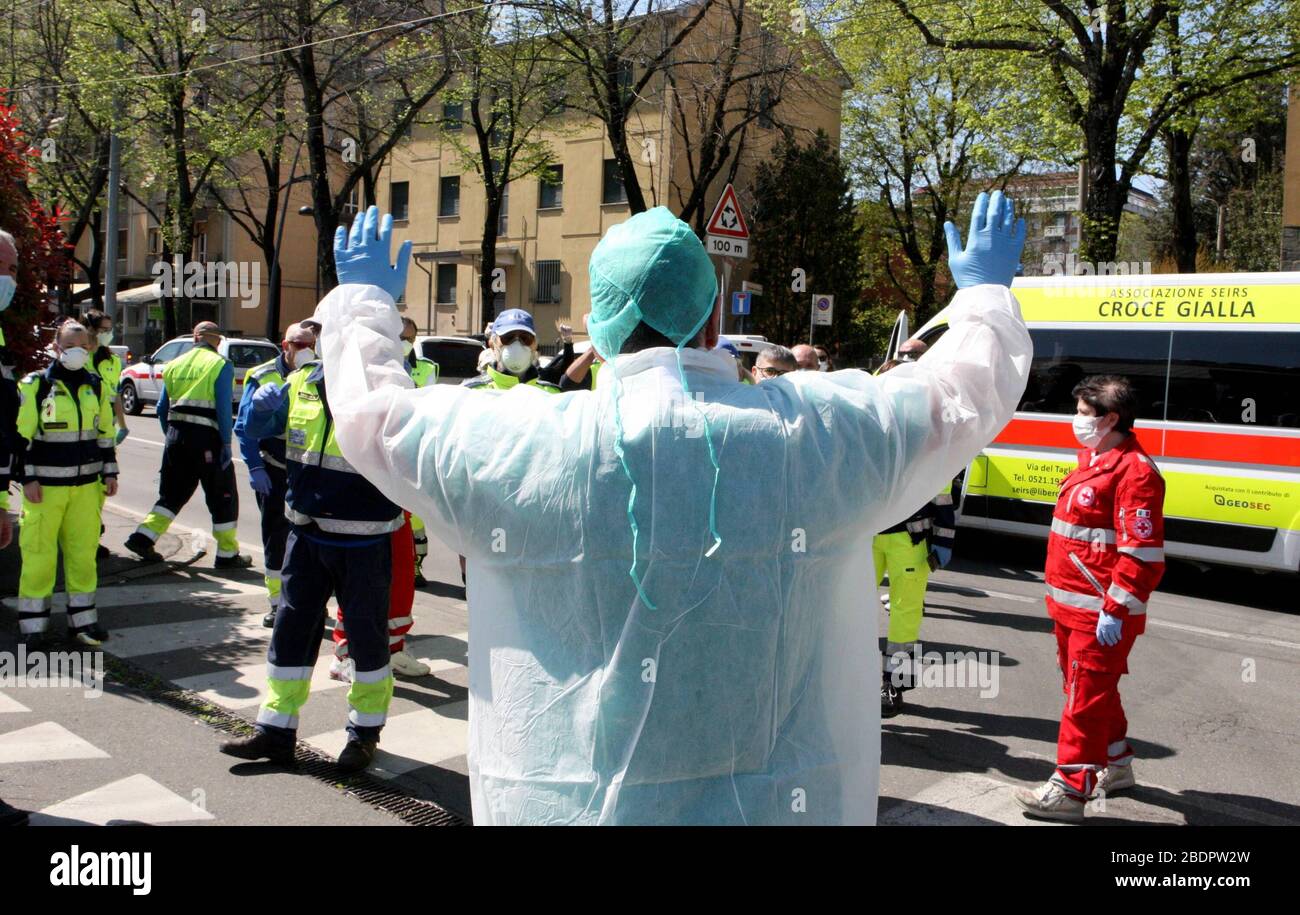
<point x="925" y="133"/>
<point x="1117" y="71"/>
<point x="510" y="92"/>
<point x="363" y="74"/>
<point x="805" y="241"/>
<point x="616" y="50"/>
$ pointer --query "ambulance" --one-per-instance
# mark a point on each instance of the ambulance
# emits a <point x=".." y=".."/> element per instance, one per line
<point x="1215" y="359"/>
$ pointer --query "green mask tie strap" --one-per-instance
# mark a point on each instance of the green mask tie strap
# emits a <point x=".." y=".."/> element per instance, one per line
<point x="627" y="471"/>
<point x="713" y="457"/>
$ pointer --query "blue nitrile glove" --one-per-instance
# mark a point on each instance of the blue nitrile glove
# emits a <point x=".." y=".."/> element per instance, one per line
<point x="362" y="255"/>
<point x="269" y="397"/>
<point x="945" y="556"/>
<point x="122" y="434"/>
<point x="993" y="247"/>
<point x="225" y="456"/>
<point x="1108" y="628"/>
<point x="260" y="480"/>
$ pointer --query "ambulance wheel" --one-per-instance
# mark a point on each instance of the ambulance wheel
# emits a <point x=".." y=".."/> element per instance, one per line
<point x="130" y="401"/>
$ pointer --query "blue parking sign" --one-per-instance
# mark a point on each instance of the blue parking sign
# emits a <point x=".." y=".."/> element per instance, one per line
<point x="740" y="302"/>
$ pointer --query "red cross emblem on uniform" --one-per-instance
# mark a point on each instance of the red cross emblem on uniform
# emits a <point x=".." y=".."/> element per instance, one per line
<point x="1142" y="528"/>
<point x="1087" y="497"/>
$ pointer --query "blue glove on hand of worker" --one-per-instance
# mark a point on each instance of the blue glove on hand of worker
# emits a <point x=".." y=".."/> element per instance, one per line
<point x="269" y="397"/>
<point x="993" y="247"/>
<point x="1108" y="628"/>
<point x="945" y="556"/>
<point x="361" y="256"/>
<point x="122" y="434"/>
<point x="260" y="481"/>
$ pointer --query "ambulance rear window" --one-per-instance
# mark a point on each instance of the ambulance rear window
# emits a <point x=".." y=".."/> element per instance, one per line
<point x="1063" y="358"/>
<point x="1240" y="377"/>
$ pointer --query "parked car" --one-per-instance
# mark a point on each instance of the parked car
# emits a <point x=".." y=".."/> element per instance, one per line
<point x="457" y="357"/>
<point x="142" y="381"/>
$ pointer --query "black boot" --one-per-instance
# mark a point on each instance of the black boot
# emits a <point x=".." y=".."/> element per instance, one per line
<point x="269" y="620"/>
<point x="93" y="635"/>
<point x="232" y="562"/>
<point x="143" y="547"/>
<point x="357" y="755"/>
<point x="260" y="745"/>
<point x="891" y="700"/>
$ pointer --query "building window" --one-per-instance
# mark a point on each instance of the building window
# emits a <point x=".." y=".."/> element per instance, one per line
<point x="353" y="206"/>
<point x="551" y="192"/>
<point x="399" y="199"/>
<point x="503" y="220"/>
<point x="446" y="284"/>
<point x="199" y="252"/>
<point x="449" y="196"/>
<point x="624" y="78"/>
<point x="547" y="277"/>
<point x="612" y="189"/>
<point x="453" y="116"/>
<point x="765" y="109"/>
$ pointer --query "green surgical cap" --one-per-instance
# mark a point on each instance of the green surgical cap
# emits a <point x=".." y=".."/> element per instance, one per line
<point x="651" y="268"/>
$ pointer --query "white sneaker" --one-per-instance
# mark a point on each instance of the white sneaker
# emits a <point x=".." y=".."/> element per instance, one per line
<point x="1051" y="802"/>
<point x="407" y="665"/>
<point x="1114" y="779"/>
<point x="341" y="670"/>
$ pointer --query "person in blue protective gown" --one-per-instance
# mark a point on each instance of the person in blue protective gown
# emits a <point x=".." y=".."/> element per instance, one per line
<point x="639" y="650"/>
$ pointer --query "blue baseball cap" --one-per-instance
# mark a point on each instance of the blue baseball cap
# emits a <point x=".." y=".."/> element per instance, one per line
<point x="513" y="319"/>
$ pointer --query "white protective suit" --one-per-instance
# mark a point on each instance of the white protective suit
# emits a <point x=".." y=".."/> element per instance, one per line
<point x="750" y="694"/>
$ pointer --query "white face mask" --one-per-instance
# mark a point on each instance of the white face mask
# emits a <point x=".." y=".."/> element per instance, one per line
<point x="1087" y="431"/>
<point x="73" y="359"/>
<point x="303" y="356"/>
<point x="408" y="346"/>
<point x="8" y="286"/>
<point x="106" y="338"/>
<point x="517" y="357"/>
<point x="823" y="366"/>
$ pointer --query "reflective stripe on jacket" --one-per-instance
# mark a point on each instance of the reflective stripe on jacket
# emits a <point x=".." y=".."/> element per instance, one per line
<point x="191" y="384"/>
<point x="1106" y="548"/>
<point x="70" y="438"/>
<point x="324" y="488"/>
<point x="501" y="381"/>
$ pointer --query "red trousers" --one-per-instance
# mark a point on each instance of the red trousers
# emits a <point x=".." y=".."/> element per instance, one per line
<point x="401" y="595"/>
<point x="1094" y="730"/>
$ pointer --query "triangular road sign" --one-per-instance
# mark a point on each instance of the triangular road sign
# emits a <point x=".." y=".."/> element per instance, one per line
<point x="727" y="219"/>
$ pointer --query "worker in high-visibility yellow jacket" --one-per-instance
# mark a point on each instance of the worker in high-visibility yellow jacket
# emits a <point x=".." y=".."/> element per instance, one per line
<point x="66" y="422"/>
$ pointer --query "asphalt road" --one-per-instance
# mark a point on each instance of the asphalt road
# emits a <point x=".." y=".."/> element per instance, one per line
<point x="1211" y="695"/>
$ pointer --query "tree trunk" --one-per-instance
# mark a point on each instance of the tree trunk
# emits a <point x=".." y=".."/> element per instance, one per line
<point x="631" y="183"/>
<point x="488" y="258"/>
<point x="1105" y="195"/>
<point x="1178" y="145"/>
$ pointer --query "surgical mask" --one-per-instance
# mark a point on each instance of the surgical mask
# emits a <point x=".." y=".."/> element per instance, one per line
<point x="106" y="338"/>
<point x="408" y="346"/>
<point x="823" y="366"/>
<point x="73" y="359"/>
<point x="516" y="357"/>
<point x="1086" y="430"/>
<point x="303" y="356"/>
<point x="8" y="286"/>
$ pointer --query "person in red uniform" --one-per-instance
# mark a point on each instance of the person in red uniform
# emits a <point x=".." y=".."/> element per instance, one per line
<point x="1105" y="555"/>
